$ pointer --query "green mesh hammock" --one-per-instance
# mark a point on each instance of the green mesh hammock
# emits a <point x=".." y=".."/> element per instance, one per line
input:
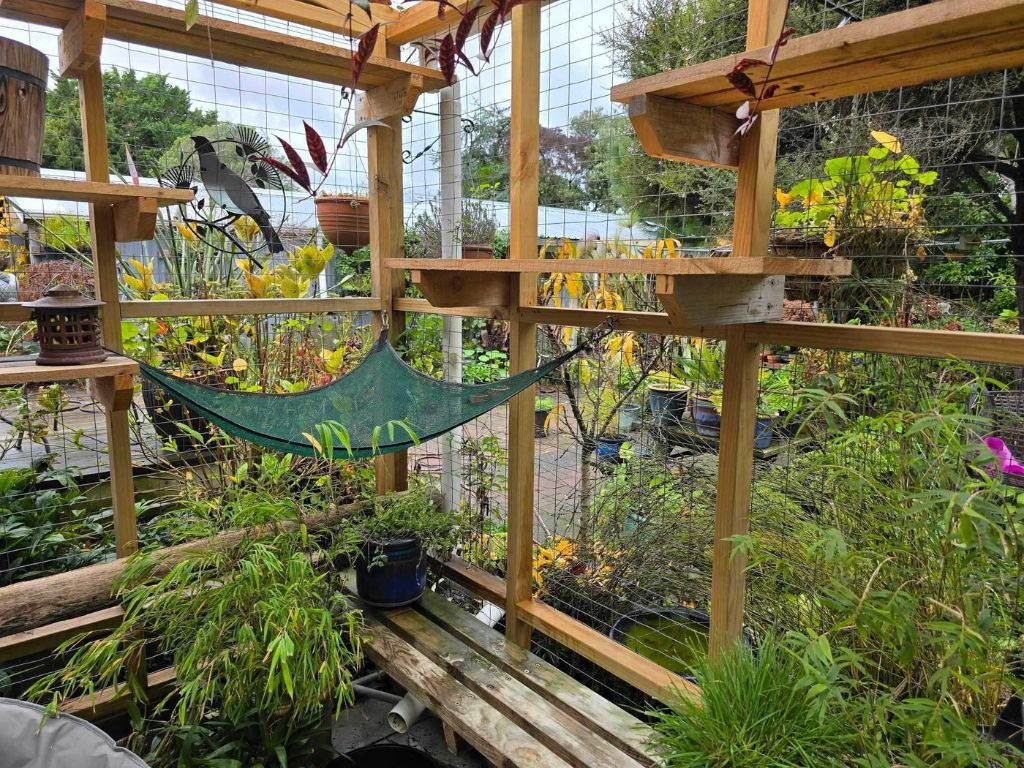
<point x="381" y="389"/>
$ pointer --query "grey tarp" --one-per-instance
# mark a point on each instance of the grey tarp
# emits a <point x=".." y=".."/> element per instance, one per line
<point x="28" y="739"/>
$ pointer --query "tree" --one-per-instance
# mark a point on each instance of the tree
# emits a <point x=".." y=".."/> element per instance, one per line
<point x="148" y="114"/>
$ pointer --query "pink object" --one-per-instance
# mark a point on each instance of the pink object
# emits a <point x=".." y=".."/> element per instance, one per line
<point x="1007" y="463"/>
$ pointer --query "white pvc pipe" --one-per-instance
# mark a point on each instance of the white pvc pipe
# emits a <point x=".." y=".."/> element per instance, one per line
<point x="406" y="713"/>
<point x="490" y="614"/>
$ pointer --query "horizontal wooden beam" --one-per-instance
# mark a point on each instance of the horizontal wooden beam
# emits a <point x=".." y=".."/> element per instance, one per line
<point x="929" y="42"/>
<point x="674" y="130"/>
<point x="107" y="701"/>
<point x="50" y="636"/>
<point x="13" y="312"/>
<point x="424" y="307"/>
<point x="22" y="371"/>
<point x="235" y="307"/>
<point x="88" y="191"/>
<point x="341" y="17"/>
<point x="627" y="665"/>
<point x="152" y="24"/>
<point x="420" y="20"/>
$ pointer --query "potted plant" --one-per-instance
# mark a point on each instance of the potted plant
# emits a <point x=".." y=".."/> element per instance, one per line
<point x="668" y="397"/>
<point x="774" y="400"/>
<point x="542" y="408"/>
<point x="609" y="447"/>
<point x="702" y="364"/>
<point x="478" y="231"/>
<point x="395" y="536"/>
<point x="344" y="218"/>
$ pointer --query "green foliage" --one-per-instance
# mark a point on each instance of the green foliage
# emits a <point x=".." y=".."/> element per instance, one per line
<point x="478" y="227"/>
<point x="750" y="713"/>
<point x="46" y="527"/>
<point x="482" y="366"/>
<point x="409" y="514"/>
<point x="260" y="637"/>
<point x="541" y="403"/>
<point x="147" y="113"/>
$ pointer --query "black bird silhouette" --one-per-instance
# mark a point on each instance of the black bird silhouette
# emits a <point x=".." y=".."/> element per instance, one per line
<point x="230" y="191"/>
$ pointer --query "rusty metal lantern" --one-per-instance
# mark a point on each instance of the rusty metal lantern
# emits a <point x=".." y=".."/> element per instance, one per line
<point x="69" y="327"/>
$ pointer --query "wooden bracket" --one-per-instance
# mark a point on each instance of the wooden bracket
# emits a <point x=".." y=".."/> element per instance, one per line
<point x="114" y="393"/>
<point x="81" y="42"/>
<point x="396" y="99"/>
<point x="464" y="289"/>
<point x="673" y="130"/>
<point x="135" y="219"/>
<point x="721" y="299"/>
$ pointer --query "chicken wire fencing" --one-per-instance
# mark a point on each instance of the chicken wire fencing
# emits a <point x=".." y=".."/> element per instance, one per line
<point x="917" y="186"/>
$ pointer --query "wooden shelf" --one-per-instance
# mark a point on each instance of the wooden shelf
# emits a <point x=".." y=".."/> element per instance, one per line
<point x="943" y="39"/>
<point x="695" y="291"/>
<point x="135" y="207"/>
<point x="146" y="23"/>
<point x="25" y="371"/>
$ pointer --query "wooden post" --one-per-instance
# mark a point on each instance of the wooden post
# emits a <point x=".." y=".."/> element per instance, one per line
<point x="104" y="256"/>
<point x="523" y="201"/>
<point x="751" y="229"/>
<point x="385" y="171"/>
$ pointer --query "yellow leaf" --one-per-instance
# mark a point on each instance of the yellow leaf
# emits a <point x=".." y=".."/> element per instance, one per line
<point x="314" y="442"/>
<point x="830" y="234"/>
<point x="186" y="232"/>
<point x="240" y="365"/>
<point x="783" y="198"/>
<point x="888" y="141"/>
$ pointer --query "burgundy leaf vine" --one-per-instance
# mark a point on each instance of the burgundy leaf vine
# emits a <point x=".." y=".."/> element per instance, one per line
<point x="757" y="93"/>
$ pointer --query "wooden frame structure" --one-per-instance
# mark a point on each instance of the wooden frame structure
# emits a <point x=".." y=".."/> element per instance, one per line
<point x="939" y="40"/>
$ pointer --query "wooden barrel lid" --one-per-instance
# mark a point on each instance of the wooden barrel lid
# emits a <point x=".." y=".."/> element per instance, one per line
<point x="19" y="57"/>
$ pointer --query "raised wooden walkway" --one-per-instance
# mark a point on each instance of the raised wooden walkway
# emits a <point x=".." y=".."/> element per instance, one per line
<point x="511" y="706"/>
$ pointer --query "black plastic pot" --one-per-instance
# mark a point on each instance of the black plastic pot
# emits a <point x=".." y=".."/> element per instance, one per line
<point x="539" y="420"/>
<point x="398" y="579"/>
<point x="668" y="405"/>
<point x="384" y="756"/>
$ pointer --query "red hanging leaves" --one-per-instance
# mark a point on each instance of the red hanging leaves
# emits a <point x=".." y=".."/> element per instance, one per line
<point x="289" y="172"/>
<point x="466" y="26"/>
<point x="301" y="175"/>
<point x="487" y="35"/>
<point x="446" y="58"/>
<point x="367" y="41"/>
<point x="742" y="83"/>
<point x="316" y="147"/>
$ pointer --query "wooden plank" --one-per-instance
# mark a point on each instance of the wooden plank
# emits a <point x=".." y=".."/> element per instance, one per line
<point x="455" y="289"/>
<point x="242" y="307"/>
<point x="424" y="307"/>
<point x="332" y="19"/>
<point x="135" y="220"/>
<point x="714" y="265"/>
<point x="146" y="23"/>
<point x="420" y="20"/>
<point x="27" y="372"/>
<point x="559" y="731"/>
<point x="107" y="701"/>
<point x="699" y="300"/>
<point x="50" y="636"/>
<point x="81" y="41"/>
<point x="482" y="726"/>
<point x="674" y="130"/>
<point x="99" y="192"/>
<point x="524" y="200"/>
<point x="13" y="312"/>
<point x="385" y="169"/>
<point x="396" y="99"/>
<point x="477" y="581"/>
<point x="603" y="718"/>
<point x="104" y="258"/>
<point x="641" y="673"/>
<point x="933" y="41"/>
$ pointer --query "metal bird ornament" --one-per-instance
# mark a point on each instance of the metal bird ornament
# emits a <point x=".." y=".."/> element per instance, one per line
<point x="230" y="191"/>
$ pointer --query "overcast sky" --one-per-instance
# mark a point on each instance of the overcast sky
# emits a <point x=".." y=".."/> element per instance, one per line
<point x="576" y="76"/>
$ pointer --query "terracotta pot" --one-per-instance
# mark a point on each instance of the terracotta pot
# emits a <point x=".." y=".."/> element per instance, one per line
<point x="23" y="74"/>
<point x="477" y="251"/>
<point x="344" y="220"/>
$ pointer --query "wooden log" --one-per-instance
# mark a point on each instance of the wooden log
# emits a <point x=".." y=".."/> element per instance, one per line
<point x="30" y="604"/>
<point x="23" y="75"/>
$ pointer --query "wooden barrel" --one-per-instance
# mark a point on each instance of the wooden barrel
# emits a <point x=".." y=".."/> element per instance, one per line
<point x="23" y="72"/>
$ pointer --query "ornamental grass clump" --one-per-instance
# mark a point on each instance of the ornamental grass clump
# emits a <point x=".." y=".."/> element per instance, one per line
<point x="751" y="714"/>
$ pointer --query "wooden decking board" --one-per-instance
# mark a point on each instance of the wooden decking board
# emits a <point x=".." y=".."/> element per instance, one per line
<point x="482" y="726"/>
<point x="609" y="721"/>
<point x="565" y="735"/>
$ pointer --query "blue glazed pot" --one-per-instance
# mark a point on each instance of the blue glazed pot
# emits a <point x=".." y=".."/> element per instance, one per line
<point x="608" y="448"/>
<point x="395" y="582"/>
<point x="707" y="418"/>
<point x="763" y="432"/>
<point x="668" y="406"/>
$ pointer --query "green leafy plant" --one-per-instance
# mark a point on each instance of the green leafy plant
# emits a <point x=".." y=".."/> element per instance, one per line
<point x="543" y="403"/>
<point x="257" y="633"/>
<point x="411" y="514"/>
<point x="482" y="366"/>
<point x="859" y="201"/>
<point x="750" y="713"/>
